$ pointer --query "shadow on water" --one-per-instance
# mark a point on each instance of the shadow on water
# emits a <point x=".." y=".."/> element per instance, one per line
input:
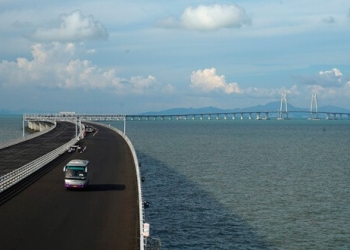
<point x="106" y="187"/>
<point x="184" y="216"/>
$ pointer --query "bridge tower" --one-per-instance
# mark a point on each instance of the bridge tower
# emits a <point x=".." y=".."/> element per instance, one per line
<point x="313" y="108"/>
<point x="285" y="111"/>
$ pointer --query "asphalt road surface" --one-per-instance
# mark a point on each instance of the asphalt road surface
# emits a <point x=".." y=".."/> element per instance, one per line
<point x="22" y="153"/>
<point x="105" y="216"/>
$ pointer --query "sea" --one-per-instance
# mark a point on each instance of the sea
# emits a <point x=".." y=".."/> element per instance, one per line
<point x="241" y="184"/>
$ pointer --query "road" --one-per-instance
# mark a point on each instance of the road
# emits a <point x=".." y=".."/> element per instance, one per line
<point x="46" y="216"/>
<point x="22" y="153"/>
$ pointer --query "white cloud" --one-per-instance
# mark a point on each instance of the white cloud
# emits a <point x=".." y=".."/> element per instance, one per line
<point x="209" y="17"/>
<point x="333" y="73"/>
<point x="207" y="81"/>
<point x="328" y="79"/>
<point x="327" y="84"/>
<point x="56" y="65"/>
<point x="70" y="28"/>
<point x="273" y="92"/>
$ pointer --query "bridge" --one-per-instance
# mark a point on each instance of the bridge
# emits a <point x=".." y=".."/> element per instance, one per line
<point x="258" y="115"/>
<point x="37" y="211"/>
<point x="281" y="114"/>
<point x="250" y="115"/>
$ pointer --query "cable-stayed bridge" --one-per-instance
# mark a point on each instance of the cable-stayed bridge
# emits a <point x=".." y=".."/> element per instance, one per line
<point x="280" y="114"/>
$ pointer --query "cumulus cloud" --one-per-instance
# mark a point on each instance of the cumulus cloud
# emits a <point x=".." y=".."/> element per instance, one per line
<point x="207" y="81"/>
<point x="327" y="79"/>
<point x="333" y="74"/>
<point x="327" y="84"/>
<point x="71" y="27"/>
<point x="209" y="17"/>
<point x="57" y="65"/>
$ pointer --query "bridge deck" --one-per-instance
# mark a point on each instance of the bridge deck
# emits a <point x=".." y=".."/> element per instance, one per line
<point x="20" y="154"/>
<point x="105" y="216"/>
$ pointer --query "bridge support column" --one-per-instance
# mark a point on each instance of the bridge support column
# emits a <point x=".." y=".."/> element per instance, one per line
<point x="258" y="116"/>
<point x="266" y="115"/>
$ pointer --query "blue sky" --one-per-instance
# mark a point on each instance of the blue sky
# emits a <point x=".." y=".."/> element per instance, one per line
<point x="134" y="56"/>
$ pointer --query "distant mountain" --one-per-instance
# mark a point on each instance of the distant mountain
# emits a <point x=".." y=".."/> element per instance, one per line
<point x="184" y="111"/>
<point x="271" y="106"/>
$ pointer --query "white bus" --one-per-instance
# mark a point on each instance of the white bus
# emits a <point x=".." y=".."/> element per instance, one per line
<point x="76" y="174"/>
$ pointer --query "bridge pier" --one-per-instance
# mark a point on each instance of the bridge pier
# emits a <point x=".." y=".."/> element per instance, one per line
<point x="39" y="126"/>
<point x="266" y="115"/>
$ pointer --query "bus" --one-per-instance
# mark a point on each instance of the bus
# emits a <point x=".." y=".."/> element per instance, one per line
<point x="76" y="174"/>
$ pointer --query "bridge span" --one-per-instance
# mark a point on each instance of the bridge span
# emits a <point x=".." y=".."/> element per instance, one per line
<point x="241" y="115"/>
<point x="250" y="115"/>
<point x="44" y="215"/>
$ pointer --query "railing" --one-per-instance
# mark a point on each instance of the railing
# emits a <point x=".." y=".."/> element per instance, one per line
<point x="28" y="137"/>
<point x="10" y="179"/>
<point x="19" y="174"/>
<point x="143" y="240"/>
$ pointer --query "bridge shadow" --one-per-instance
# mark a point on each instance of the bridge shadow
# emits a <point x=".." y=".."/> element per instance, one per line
<point x="184" y="216"/>
<point x="105" y="187"/>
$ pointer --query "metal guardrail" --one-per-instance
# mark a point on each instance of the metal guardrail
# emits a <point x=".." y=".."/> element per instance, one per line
<point x="10" y="179"/>
<point x="28" y="137"/>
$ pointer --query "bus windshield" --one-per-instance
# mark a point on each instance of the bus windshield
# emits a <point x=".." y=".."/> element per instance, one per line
<point x="75" y="173"/>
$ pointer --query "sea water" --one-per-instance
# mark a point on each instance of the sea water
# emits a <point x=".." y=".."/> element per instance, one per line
<point x="10" y="128"/>
<point x="242" y="184"/>
<point x="246" y="184"/>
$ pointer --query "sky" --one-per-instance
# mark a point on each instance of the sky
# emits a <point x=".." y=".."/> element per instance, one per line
<point x="129" y="57"/>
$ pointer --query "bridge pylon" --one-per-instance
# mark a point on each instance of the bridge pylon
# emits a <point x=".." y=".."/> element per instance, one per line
<point x="313" y="108"/>
<point x="284" y="104"/>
